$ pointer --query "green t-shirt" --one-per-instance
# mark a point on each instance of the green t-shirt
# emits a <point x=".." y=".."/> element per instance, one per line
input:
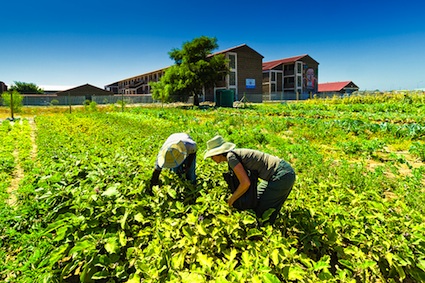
<point x="266" y="164"/>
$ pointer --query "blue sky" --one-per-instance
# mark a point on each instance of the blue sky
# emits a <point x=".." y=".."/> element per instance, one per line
<point x="375" y="44"/>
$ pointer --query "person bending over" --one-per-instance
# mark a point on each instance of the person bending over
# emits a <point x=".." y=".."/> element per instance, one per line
<point x="277" y="175"/>
<point x="178" y="153"/>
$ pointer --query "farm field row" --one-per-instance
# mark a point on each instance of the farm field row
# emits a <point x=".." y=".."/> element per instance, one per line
<point x="80" y="212"/>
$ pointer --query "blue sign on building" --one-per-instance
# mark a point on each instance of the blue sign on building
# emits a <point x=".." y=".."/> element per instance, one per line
<point x="250" y="83"/>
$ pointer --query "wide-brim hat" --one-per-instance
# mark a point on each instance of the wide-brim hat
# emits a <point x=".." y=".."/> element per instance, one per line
<point x="172" y="154"/>
<point x="217" y="145"/>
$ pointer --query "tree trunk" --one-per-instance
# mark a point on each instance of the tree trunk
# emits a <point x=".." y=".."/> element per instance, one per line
<point x="195" y="99"/>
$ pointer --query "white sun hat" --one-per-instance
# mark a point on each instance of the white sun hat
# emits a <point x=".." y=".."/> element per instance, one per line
<point x="217" y="145"/>
<point x="172" y="154"/>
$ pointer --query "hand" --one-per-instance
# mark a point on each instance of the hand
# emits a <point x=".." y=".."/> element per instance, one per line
<point x="149" y="191"/>
<point x="230" y="201"/>
<point x="153" y="182"/>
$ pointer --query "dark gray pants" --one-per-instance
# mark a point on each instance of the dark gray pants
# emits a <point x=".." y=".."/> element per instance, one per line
<point x="272" y="194"/>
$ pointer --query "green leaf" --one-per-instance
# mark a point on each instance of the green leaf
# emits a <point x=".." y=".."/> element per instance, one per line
<point x="192" y="278"/>
<point x="325" y="275"/>
<point x="267" y="214"/>
<point x="82" y="247"/>
<point x="296" y="273"/>
<point x="139" y="217"/>
<point x="111" y="245"/>
<point x="400" y="271"/>
<point x="187" y="232"/>
<point x="221" y="279"/>
<point x="254" y="232"/>
<point x="86" y="273"/>
<point x="192" y="219"/>
<point x="204" y="260"/>
<point x="308" y="262"/>
<point x="389" y="257"/>
<point x="256" y="279"/>
<point x="421" y="264"/>
<point x="123" y="238"/>
<point x="201" y="230"/>
<point x="57" y="254"/>
<point x="177" y="260"/>
<point x="61" y="233"/>
<point x="134" y="278"/>
<point x="100" y="275"/>
<point x="246" y="258"/>
<point x="367" y="264"/>
<point x="172" y="193"/>
<point x="275" y="257"/>
<point x="270" y="278"/>
<point x="347" y="264"/>
<point x="322" y="264"/>
<point x="249" y="219"/>
<point x="231" y="255"/>
<point x="124" y="219"/>
<point x="111" y="191"/>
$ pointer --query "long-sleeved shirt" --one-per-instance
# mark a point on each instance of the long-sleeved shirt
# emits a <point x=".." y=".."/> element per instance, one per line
<point x="189" y="144"/>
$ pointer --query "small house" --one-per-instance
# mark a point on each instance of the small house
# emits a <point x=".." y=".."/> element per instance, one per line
<point x="337" y="88"/>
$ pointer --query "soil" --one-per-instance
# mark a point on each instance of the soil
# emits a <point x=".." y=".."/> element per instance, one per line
<point x="18" y="174"/>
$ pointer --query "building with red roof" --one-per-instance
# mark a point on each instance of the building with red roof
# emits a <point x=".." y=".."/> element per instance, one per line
<point x="3" y="87"/>
<point x="337" y="88"/>
<point x="244" y="78"/>
<point x="288" y="78"/>
<point x="295" y="77"/>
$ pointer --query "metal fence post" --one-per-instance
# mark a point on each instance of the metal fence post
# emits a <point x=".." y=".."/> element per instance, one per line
<point x="11" y="105"/>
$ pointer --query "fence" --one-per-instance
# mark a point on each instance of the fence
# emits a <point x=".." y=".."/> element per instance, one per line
<point x="37" y="100"/>
<point x="286" y="96"/>
<point x="45" y="100"/>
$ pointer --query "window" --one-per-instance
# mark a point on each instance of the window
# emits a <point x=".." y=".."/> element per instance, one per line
<point x="232" y="61"/>
<point x="232" y="78"/>
<point x="233" y="75"/>
<point x="299" y="67"/>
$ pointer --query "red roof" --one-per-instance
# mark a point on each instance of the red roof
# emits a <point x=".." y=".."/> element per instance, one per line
<point x="334" y="86"/>
<point x="273" y="64"/>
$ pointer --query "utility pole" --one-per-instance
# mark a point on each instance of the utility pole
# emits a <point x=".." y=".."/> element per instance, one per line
<point x="11" y="104"/>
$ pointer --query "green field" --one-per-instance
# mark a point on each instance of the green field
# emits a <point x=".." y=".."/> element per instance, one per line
<point x="74" y="208"/>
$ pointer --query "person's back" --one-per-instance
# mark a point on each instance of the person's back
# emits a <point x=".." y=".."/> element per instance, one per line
<point x="265" y="164"/>
<point x="177" y="153"/>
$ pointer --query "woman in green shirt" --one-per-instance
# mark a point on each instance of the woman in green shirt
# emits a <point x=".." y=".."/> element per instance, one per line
<point x="278" y="176"/>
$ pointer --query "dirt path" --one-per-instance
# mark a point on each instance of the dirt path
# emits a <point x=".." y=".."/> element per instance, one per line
<point x="18" y="174"/>
<point x="33" y="136"/>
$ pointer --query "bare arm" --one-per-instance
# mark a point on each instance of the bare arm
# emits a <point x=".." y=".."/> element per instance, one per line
<point x="244" y="183"/>
<point x="155" y="177"/>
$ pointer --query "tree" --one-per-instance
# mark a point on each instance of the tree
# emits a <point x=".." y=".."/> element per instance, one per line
<point x="12" y="98"/>
<point x="195" y="68"/>
<point x="26" y="88"/>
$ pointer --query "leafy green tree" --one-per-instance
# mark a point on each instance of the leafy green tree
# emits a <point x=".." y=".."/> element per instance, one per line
<point x="195" y="68"/>
<point x="12" y="96"/>
<point x="162" y="89"/>
<point x="26" y="88"/>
